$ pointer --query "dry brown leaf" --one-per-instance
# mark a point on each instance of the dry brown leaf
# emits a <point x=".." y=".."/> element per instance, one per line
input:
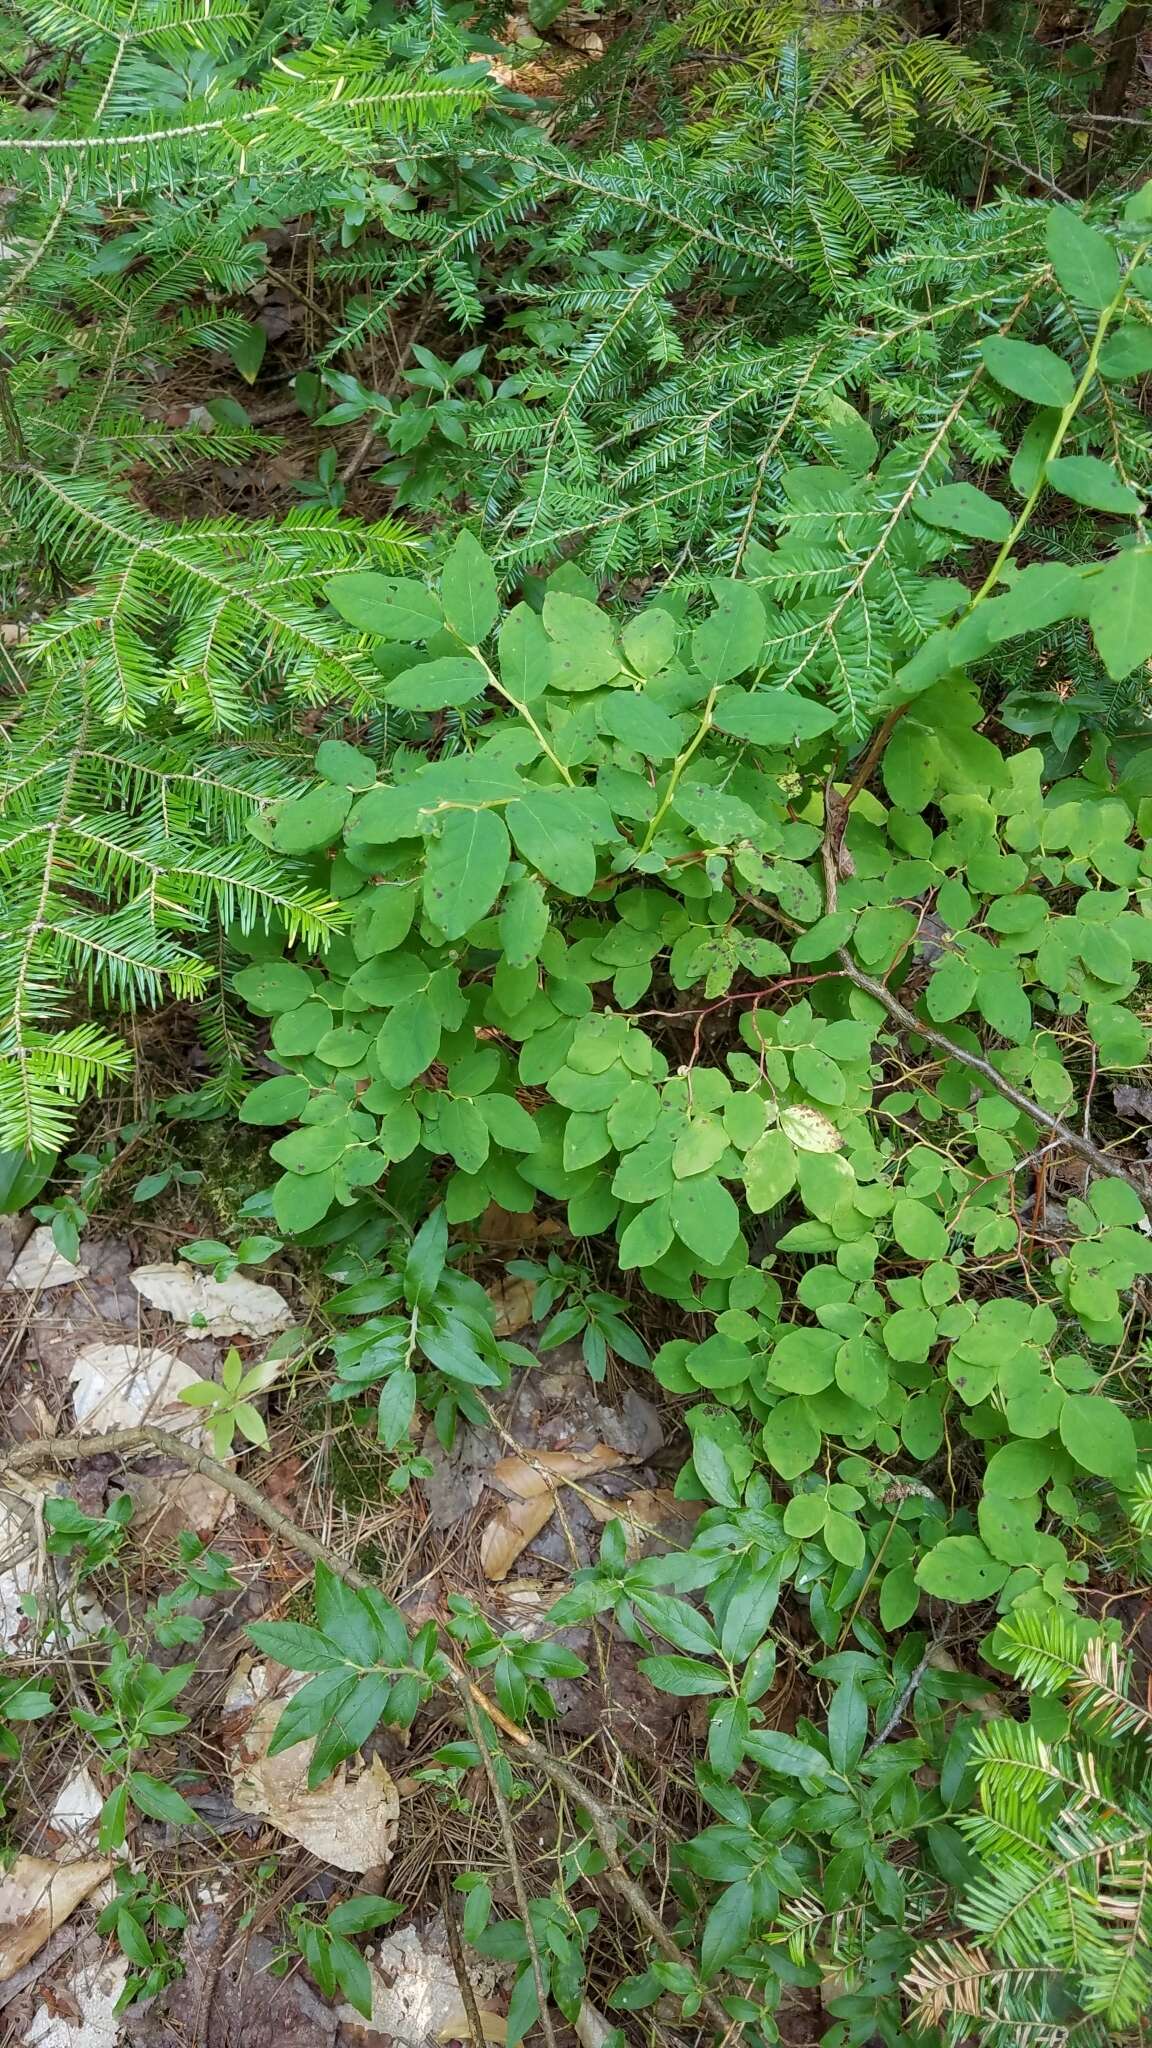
<point x="183" y="1500"/>
<point x="349" y="1822"/>
<point x="508" y="1228"/>
<point x="36" y="1897"/>
<point x="652" y="1513"/>
<point x="529" y="1479"/>
<point x="513" y="1302"/>
<point x="458" y="2027"/>
<point x="510" y="1530"/>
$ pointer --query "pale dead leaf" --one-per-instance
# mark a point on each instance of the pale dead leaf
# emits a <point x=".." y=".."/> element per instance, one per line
<point x="81" y="1615"/>
<point x="350" y="1821"/>
<point x="117" y="1386"/>
<point x="510" y="1530"/>
<point x="76" y="1811"/>
<point x="513" y="1302"/>
<point x="809" y="1129"/>
<point x="458" y="2027"/>
<point x="213" y="1308"/>
<point x="534" y="1485"/>
<point x="181" y="1500"/>
<point x="36" y="1897"/>
<point x="529" y="1479"/>
<point x="81" y="2010"/>
<point x="414" y="1988"/>
<point x="590" y="2026"/>
<point x="41" y="1266"/>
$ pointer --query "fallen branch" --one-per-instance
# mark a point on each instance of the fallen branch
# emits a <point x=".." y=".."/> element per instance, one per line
<point x="71" y="1450"/>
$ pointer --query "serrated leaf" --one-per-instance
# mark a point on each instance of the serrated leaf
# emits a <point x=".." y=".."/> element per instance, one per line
<point x="158" y="1801"/>
<point x="684" y="1677"/>
<point x="785" y="1755"/>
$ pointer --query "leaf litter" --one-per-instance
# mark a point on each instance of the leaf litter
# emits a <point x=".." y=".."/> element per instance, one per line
<point x="37" y="1895"/>
<point x="350" y="1821"/>
<point x="207" y="1307"/>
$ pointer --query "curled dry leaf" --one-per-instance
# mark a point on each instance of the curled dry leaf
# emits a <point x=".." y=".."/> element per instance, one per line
<point x="590" y="2027"/>
<point x="36" y="1897"/>
<point x="349" y="1822"/>
<point x="529" y="1478"/>
<point x="511" y="1528"/>
<point x="507" y="1228"/>
<point x="533" y="1483"/>
<point x="213" y="1308"/>
<point x="41" y="1266"/>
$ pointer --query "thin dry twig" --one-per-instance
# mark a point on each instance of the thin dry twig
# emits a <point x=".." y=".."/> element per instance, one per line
<point x="508" y="1832"/>
<point x="459" y="1965"/>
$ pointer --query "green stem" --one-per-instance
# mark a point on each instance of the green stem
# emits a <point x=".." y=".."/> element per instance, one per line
<point x="1058" y="435"/>
<point x="678" y="767"/>
<point x="1059" y="432"/>
<point x="525" y="714"/>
